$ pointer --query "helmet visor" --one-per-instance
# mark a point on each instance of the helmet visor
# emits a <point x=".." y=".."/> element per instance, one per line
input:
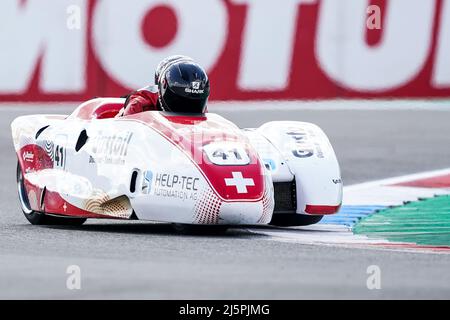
<point x="175" y="103"/>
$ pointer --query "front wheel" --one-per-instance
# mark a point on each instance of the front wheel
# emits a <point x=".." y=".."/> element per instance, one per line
<point x="36" y="217"/>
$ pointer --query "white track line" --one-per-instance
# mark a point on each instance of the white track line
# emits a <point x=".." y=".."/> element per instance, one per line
<point x="340" y="236"/>
<point x="399" y="179"/>
<point x="385" y="193"/>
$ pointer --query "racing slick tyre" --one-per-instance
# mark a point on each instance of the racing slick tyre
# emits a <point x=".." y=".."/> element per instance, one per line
<point x="292" y="219"/>
<point x="36" y="217"/>
<point x="194" y="229"/>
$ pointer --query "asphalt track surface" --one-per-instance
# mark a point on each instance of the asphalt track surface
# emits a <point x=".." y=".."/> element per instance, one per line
<point x="129" y="260"/>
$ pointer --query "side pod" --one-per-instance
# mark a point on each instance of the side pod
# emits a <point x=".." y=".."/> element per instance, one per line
<point x="306" y="151"/>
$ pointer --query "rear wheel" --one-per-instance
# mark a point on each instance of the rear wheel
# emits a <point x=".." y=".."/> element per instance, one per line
<point x="196" y="229"/>
<point x="36" y="217"/>
<point x="293" y="219"/>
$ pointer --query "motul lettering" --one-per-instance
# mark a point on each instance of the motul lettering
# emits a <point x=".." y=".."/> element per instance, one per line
<point x="251" y="49"/>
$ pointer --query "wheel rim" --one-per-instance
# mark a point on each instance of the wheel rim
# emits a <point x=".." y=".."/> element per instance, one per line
<point x="22" y="193"/>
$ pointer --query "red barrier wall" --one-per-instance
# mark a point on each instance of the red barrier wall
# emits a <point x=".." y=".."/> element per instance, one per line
<point x="253" y="49"/>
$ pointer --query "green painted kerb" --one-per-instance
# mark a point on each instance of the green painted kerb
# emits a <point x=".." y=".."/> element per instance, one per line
<point x="424" y="222"/>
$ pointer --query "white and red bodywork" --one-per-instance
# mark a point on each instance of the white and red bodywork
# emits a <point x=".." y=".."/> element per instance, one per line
<point x="171" y="168"/>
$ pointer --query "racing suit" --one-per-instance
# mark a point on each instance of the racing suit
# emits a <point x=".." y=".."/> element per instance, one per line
<point x="145" y="99"/>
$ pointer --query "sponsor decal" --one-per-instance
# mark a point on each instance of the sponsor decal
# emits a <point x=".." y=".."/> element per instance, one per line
<point x="189" y="90"/>
<point x="319" y="151"/>
<point x="147" y="182"/>
<point x="270" y="164"/>
<point x="196" y="85"/>
<point x="302" y="147"/>
<point x="110" y="149"/>
<point x="28" y="156"/>
<point x="337" y="181"/>
<point x="239" y="182"/>
<point x="176" y="186"/>
<point x="195" y="88"/>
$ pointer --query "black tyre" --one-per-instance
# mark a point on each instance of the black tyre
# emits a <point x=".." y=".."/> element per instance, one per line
<point x="194" y="229"/>
<point x="36" y="217"/>
<point x="292" y="219"/>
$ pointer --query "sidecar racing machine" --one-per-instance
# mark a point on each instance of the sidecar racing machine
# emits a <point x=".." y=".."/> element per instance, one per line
<point x="181" y="169"/>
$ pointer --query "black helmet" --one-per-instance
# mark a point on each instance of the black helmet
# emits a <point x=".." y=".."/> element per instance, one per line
<point x="184" y="88"/>
<point x="167" y="61"/>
